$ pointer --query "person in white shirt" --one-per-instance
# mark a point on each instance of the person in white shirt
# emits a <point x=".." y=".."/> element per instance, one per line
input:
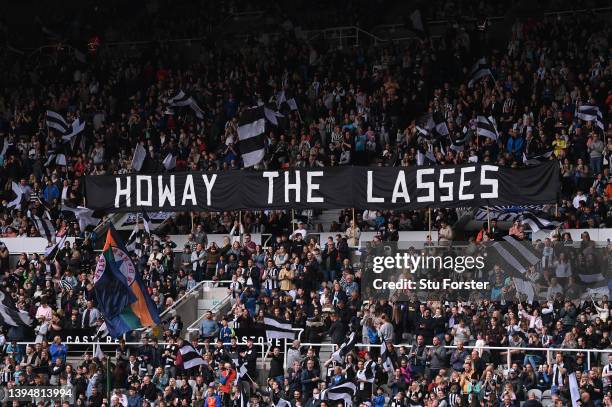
<point x="578" y="198"/>
<point x="301" y="230"/>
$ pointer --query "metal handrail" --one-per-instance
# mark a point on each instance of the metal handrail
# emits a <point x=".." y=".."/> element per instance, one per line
<point x="502" y="348"/>
<point x="177" y="302"/>
<point x="191" y="327"/>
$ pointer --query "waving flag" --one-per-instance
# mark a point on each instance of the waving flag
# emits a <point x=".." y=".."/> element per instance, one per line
<point x="345" y="348"/>
<point x="122" y="296"/>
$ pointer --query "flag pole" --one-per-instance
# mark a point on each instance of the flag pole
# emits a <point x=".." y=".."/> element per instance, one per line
<point x="191" y="221"/>
<point x="488" y="220"/>
<point x="240" y="226"/>
<point x="108" y="379"/>
<point x="429" y="222"/>
<point x="293" y="219"/>
<point x="353" y="228"/>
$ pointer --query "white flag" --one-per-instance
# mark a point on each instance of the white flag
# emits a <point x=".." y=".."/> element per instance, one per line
<point x="139" y="156"/>
<point x="169" y="162"/>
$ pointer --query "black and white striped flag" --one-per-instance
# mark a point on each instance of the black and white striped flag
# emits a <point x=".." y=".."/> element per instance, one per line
<point x="486" y="127"/>
<point x="538" y="221"/>
<point x="440" y="124"/>
<point x="5" y="146"/>
<point x="83" y="215"/>
<point x="169" y="162"/>
<point x="68" y="131"/>
<point x="251" y="135"/>
<point x="56" y="121"/>
<point x="387" y="363"/>
<point x="537" y="159"/>
<point x="277" y="328"/>
<point x="242" y="370"/>
<point x="433" y="123"/>
<point x="345" y="347"/>
<point x="190" y="357"/>
<point x="182" y="99"/>
<point x="513" y="255"/>
<point x="370" y="367"/>
<point x="51" y="251"/>
<point x="282" y="403"/>
<point x="285" y="102"/>
<point x="10" y="315"/>
<point x="459" y="140"/>
<point x="480" y="69"/>
<point x="244" y="396"/>
<point x="133" y="242"/>
<point x="140" y="154"/>
<point x="342" y="391"/>
<point x="45" y="228"/>
<point x="591" y="113"/>
<point x="524" y="287"/>
<point x="505" y="213"/>
<point x="19" y="192"/>
<point x="146" y="222"/>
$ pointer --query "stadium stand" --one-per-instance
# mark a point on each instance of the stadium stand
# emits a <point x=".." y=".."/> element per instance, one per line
<point x="264" y="308"/>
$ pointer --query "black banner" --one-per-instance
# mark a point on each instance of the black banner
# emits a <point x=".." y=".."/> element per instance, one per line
<point x="331" y="187"/>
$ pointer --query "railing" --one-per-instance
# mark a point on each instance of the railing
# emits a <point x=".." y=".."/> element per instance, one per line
<point x="82" y="346"/>
<point x="194" y="327"/>
<point x="507" y="349"/>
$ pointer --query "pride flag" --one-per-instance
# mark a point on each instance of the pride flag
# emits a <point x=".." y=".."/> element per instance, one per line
<point x="122" y="297"/>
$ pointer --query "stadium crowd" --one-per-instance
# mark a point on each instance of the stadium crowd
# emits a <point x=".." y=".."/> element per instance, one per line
<point x="356" y="106"/>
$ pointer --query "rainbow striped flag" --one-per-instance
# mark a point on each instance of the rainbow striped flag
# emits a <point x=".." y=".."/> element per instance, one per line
<point x="122" y="297"/>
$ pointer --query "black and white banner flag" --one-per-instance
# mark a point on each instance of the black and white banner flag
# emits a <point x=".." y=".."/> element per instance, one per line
<point x="10" y="315"/>
<point x="140" y="154"/>
<point x="68" y="131"/>
<point x="393" y="188"/>
<point x="480" y="69"/>
<point x="251" y="135"/>
<point x="538" y="222"/>
<point x="345" y="348"/>
<point x="277" y="328"/>
<point x="19" y="192"/>
<point x="56" y="121"/>
<point x="460" y="140"/>
<point x="83" y="215"/>
<point x="182" y="99"/>
<point x="342" y="391"/>
<point x="45" y="228"/>
<point x="537" y="158"/>
<point x="387" y="363"/>
<point x="515" y="256"/>
<point x="486" y="127"/>
<point x="169" y="162"/>
<point x="591" y="113"/>
<point x="190" y="357"/>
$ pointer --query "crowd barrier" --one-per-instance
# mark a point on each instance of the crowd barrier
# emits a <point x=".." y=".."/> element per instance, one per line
<point x="550" y="352"/>
<point x="18" y="245"/>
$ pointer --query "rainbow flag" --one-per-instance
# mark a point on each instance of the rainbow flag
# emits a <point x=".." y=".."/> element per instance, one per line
<point x="122" y="296"/>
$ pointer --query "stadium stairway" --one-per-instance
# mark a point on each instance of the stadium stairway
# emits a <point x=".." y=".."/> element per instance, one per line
<point x="327" y="217"/>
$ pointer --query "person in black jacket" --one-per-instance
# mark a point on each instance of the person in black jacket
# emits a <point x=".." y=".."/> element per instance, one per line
<point x="148" y="390"/>
<point x="250" y="355"/>
<point x="277" y="370"/>
<point x="337" y="330"/>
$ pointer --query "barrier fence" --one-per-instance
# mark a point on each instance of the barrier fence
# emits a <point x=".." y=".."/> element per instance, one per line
<point x="550" y="352"/>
